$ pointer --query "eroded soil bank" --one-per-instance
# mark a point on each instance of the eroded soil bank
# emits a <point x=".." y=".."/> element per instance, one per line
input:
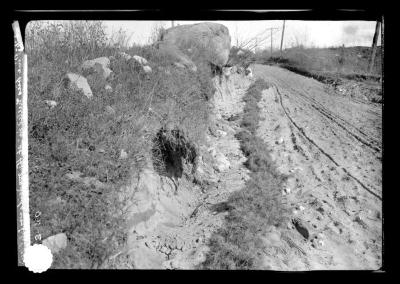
<point x="170" y="221"/>
<point x="329" y="145"/>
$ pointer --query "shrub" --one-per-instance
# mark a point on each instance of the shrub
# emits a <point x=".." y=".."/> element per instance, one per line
<point x="326" y="64"/>
<point x="243" y="59"/>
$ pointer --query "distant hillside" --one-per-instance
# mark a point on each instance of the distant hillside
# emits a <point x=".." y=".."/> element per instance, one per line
<point x="342" y="60"/>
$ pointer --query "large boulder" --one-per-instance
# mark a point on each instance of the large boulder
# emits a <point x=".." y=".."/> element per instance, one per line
<point x="210" y="39"/>
<point x="56" y="243"/>
<point x="99" y="65"/>
<point x="142" y="61"/>
<point x="78" y="83"/>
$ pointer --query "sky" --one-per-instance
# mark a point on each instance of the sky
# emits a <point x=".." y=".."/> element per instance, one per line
<point x="308" y="33"/>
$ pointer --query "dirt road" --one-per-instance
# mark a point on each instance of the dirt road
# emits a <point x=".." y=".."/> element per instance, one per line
<point x="331" y="146"/>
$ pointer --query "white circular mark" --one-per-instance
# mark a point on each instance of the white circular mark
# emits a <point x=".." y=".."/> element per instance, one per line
<point x="38" y="258"/>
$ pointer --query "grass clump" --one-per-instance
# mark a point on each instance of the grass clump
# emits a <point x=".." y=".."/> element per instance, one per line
<point x="85" y="137"/>
<point x="240" y="57"/>
<point x="238" y="245"/>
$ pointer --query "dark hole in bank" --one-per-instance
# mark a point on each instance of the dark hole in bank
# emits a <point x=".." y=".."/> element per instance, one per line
<point x="170" y="151"/>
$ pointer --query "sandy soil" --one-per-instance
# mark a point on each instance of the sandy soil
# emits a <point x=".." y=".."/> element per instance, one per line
<point x="331" y="145"/>
<point x="168" y="228"/>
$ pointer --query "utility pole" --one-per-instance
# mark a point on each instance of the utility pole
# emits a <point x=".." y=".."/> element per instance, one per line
<point x="271" y="43"/>
<point x="272" y="39"/>
<point x="374" y="44"/>
<point x="283" y="32"/>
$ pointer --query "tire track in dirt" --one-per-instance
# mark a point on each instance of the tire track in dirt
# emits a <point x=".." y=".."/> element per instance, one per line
<point x="368" y="139"/>
<point x="354" y="151"/>
<point x="300" y="129"/>
<point x="370" y="108"/>
<point x="342" y="123"/>
<point x="344" y="219"/>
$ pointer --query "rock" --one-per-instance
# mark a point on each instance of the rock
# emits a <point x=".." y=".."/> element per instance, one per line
<point x="314" y="243"/>
<point x="179" y="65"/>
<point x="99" y="66"/>
<point x="75" y="175"/>
<point x="287" y="190"/>
<point x="317" y="243"/>
<point x="227" y="71"/>
<point x="104" y="61"/>
<point x="123" y="155"/>
<point x="142" y="61"/>
<point x="79" y="83"/>
<point x="249" y="72"/>
<point x="221" y="163"/>
<point x="88" y="181"/>
<point x="295" y="169"/>
<point x="212" y="40"/>
<point x="56" y="202"/>
<point x="147" y="69"/>
<point x="200" y="170"/>
<point x="240" y="70"/>
<point x="50" y="103"/>
<point x="301" y="208"/>
<point x="221" y="133"/>
<point x="108" y="88"/>
<point x="123" y="55"/>
<point x="212" y="151"/>
<point x="56" y="243"/>
<point x="280" y="141"/>
<point x="301" y="227"/>
<point x="360" y="221"/>
<point x="110" y="110"/>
